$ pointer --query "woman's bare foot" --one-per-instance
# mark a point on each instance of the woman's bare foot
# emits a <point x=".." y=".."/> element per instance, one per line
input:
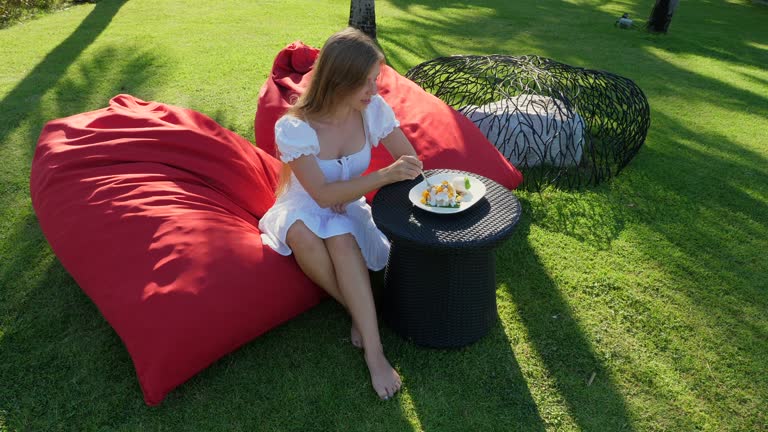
<point x="355" y="337"/>
<point x="386" y="381"/>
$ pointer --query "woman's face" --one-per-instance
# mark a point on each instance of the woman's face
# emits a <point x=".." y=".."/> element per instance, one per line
<point x="362" y="97"/>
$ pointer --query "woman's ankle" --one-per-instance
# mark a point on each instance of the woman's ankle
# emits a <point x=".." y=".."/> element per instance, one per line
<point x="374" y="351"/>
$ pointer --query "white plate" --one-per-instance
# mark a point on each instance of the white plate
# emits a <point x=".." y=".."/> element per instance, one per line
<point x="476" y="188"/>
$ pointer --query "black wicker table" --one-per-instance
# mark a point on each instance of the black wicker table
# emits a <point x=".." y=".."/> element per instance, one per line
<point x="440" y="282"/>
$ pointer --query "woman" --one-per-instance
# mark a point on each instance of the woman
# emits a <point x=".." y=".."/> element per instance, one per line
<point x="320" y="215"/>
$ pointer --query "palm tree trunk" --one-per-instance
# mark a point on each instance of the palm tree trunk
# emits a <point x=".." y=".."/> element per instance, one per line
<point x="362" y="16"/>
<point x="661" y="15"/>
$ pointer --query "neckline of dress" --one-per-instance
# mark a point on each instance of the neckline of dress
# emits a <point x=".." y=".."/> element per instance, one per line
<point x="349" y="156"/>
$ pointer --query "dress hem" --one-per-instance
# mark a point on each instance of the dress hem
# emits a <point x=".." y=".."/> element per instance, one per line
<point x="285" y="250"/>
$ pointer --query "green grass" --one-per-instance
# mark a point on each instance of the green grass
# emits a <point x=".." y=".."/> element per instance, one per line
<point x="655" y="282"/>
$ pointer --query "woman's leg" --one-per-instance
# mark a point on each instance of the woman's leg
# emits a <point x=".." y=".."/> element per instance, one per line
<point x="313" y="259"/>
<point x="355" y="286"/>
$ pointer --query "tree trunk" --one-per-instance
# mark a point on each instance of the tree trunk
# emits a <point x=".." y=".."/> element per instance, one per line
<point x="362" y="16"/>
<point x="661" y="15"/>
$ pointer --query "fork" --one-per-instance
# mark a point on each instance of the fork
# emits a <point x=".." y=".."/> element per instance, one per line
<point x="429" y="185"/>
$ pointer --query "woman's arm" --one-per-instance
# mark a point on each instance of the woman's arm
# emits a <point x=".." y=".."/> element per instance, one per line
<point x="397" y="144"/>
<point x="326" y="194"/>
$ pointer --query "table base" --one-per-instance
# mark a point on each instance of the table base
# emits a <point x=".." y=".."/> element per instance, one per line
<point x="439" y="298"/>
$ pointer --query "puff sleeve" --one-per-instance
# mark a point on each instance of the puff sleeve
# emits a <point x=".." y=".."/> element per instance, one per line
<point x="380" y="119"/>
<point x="295" y="138"/>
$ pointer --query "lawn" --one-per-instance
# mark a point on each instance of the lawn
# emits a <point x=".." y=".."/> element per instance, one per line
<point x="640" y="304"/>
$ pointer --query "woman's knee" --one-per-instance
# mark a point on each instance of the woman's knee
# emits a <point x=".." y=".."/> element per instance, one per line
<point x="300" y="238"/>
<point x="342" y="243"/>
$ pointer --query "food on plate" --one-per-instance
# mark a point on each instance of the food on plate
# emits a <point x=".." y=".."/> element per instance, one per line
<point x="461" y="184"/>
<point x="447" y="194"/>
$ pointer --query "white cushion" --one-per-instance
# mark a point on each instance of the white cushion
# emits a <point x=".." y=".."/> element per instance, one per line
<point x="531" y="130"/>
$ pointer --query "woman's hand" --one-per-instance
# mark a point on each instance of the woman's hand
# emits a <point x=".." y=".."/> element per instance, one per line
<point x="406" y="167"/>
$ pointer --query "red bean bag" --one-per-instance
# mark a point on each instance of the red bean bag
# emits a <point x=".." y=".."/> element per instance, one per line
<point x="442" y="137"/>
<point x="291" y="72"/>
<point x="153" y="210"/>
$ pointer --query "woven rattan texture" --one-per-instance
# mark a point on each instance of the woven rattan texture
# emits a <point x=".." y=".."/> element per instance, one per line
<point x="483" y="225"/>
<point x="440" y="282"/>
<point x="560" y="125"/>
<point x="438" y="299"/>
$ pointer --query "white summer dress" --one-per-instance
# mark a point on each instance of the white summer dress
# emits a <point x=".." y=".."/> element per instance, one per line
<point x="297" y="138"/>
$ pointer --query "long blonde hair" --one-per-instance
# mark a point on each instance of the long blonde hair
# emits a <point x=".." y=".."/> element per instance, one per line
<point x="341" y="68"/>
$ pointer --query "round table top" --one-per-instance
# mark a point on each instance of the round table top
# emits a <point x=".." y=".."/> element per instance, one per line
<point x="486" y="223"/>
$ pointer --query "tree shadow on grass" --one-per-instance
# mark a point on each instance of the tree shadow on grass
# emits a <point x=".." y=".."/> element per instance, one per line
<point x="64" y="367"/>
<point x="434" y="4"/>
<point x="110" y="70"/>
<point x="704" y="33"/>
<point x="424" y="36"/>
<point x="708" y="238"/>
<point x="60" y="361"/>
<point x="694" y="207"/>
<point x="58" y="357"/>
<point x="587" y="217"/>
<point x="715" y="197"/>
<point x="722" y="179"/>
<point x="282" y="381"/>
<point x="578" y="20"/>
<point x="594" y="403"/>
<point x="25" y="97"/>
<point x="427" y="36"/>
<point x="478" y="387"/>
